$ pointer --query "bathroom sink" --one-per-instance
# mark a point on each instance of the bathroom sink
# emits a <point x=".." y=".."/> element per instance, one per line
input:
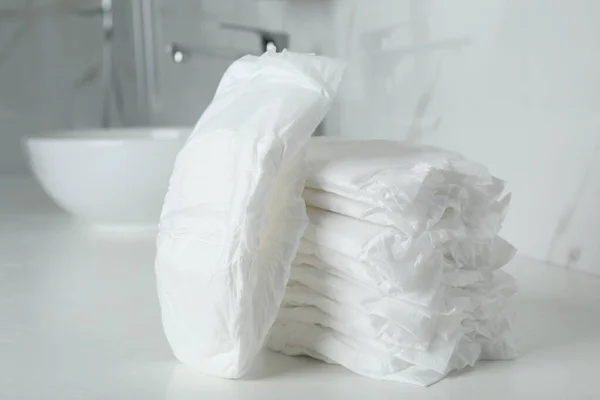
<point x="107" y="177"/>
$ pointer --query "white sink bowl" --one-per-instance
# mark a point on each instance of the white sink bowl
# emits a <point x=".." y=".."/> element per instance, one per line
<point x="110" y="178"/>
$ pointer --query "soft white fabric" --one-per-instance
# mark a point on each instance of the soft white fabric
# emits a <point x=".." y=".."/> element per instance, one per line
<point x="311" y="323"/>
<point x="408" y="324"/>
<point x="233" y="216"/>
<point x="397" y="275"/>
<point x="405" y="186"/>
<point x="394" y="258"/>
<point x="385" y="328"/>
<point x="464" y="231"/>
<point x="297" y="338"/>
<point x="410" y="266"/>
<point x="416" y="323"/>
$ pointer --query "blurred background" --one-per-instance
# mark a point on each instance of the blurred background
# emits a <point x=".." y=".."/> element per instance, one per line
<point x="511" y="84"/>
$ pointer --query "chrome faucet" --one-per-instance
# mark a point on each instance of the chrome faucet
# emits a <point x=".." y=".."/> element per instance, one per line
<point x="180" y="53"/>
<point x="281" y="40"/>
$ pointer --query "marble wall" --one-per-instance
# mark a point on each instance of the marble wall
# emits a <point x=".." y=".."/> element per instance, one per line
<point x="50" y="67"/>
<point x="512" y="84"/>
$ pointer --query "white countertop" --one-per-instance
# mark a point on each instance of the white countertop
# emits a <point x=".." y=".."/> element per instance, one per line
<point x="79" y="319"/>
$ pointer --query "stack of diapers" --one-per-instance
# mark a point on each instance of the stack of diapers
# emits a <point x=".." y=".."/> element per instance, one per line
<point x="375" y="255"/>
<point x="398" y="274"/>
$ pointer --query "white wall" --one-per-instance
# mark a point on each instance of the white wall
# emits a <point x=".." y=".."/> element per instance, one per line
<point x="522" y="97"/>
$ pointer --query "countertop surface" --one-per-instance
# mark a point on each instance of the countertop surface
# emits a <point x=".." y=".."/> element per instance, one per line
<point x="79" y="319"/>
